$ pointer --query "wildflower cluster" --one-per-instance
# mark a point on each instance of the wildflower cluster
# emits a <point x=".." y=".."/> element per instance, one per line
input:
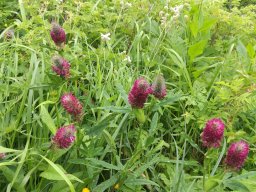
<point x="65" y="135"/>
<point x="172" y="13"/>
<point x="141" y="89"/>
<point x="176" y="11"/>
<point x="212" y="136"/>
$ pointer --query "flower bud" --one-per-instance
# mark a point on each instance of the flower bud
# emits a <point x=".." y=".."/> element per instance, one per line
<point x="158" y="87"/>
<point x="58" y="34"/>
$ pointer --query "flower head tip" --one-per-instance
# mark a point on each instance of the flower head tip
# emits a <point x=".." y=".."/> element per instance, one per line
<point x="58" y="34"/>
<point x="139" y="93"/>
<point x="158" y="87"/>
<point x="213" y="133"/>
<point x="64" y="137"/>
<point x="72" y="105"/>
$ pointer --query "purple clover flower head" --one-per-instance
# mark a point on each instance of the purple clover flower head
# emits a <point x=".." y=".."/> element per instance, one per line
<point x="158" y="87"/>
<point x="9" y="34"/>
<point x="58" y="34"/>
<point x="72" y="105"/>
<point x="237" y="154"/>
<point x="2" y="155"/>
<point x="213" y="133"/>
<point x="60" y="66"/>
<point x="64" y="137"/>
<point x="139" y="93"/>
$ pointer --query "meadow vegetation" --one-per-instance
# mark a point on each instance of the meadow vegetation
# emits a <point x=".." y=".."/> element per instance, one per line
<point x="127" y="96"/>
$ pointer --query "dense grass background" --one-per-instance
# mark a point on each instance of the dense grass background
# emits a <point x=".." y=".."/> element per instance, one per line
<point x="207" y="56"/>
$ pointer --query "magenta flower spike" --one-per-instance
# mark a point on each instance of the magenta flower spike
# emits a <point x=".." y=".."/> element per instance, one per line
<point x="139" y="93"/>
<point x="61" y="66"/>
<point x="72" y="105"/>
<point x="58" y="34"/>
<point x="237" y="154"/>
<point x="64" y="137"/>
<point x="213" y="133"/>
<point x="158" y="87"/>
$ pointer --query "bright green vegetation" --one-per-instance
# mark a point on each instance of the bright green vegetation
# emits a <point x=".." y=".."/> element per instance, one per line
<point x="207" y="57"/>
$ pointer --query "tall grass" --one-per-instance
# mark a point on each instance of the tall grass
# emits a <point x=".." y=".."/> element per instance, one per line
<point x="205" y="78"/>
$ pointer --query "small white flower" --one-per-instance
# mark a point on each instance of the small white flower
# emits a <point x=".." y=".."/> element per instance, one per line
<point x="105" y="37"/>
<point x="164" y="19"/>
<point x="161" y="13"/>
<point x="175" y="9"/>
<point x="166" y="7"/>
<point x="59" y="1"/>
<point x="128" y="59"/>
<point x="128" y="4"/>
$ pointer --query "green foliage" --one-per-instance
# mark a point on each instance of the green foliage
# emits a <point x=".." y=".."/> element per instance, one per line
<point x="207" y="56"/>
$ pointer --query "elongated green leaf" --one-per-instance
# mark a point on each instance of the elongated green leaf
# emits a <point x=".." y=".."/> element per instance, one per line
<point x="169" y="100"/>
<point x="106" y="184"/>
<point x="140" y="182"/>
<point x="7" y="150"/>
<point x="47" y="119"/>
<point x="9" y="174"/>
<point x="250" y="50"/>
<point x="220" y="157"/>
<point x="61" y="173"/>
<point x="236" y="186"/>
<point x="97" y="129"/>
<point x="52" y="174"/>
<point x="153" y="124"/>
<point x="103" y="164"/>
